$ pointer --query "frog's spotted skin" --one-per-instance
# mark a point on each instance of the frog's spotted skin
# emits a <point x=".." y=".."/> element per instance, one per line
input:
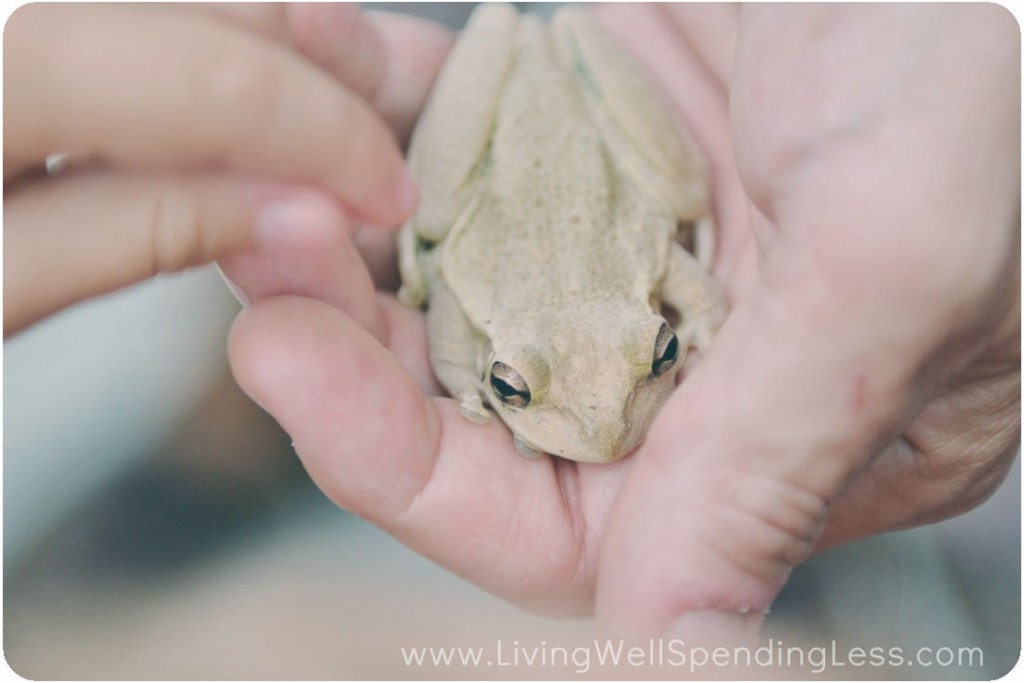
<point x="554" y="182"/>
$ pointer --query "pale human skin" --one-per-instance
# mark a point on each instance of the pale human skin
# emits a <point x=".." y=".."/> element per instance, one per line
<point x="875" y="333"/>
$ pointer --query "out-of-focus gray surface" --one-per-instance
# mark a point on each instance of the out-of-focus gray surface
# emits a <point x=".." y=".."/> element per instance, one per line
<point x="952" y="584"/>
<point x="312" y="593"/>
<point x="91" y="389"/>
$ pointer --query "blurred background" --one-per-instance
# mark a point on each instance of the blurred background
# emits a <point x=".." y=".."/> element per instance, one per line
<point x="157" y="525"/>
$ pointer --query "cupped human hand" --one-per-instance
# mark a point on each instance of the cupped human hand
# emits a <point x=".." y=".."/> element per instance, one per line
<point x="866" y="188"/>
<point x="190" y="132"/>
<point x="868" y="377"/>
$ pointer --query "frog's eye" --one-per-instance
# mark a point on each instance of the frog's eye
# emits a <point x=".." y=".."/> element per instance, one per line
<point x="666" y="350"/>
<point x="509" y="386"/>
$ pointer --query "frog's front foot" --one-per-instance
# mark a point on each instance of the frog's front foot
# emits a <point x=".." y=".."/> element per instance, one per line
<point x="527" y="450"/>
<point x="409" y="298"/>
<point x="699" y="332"/>
<point x="473" y="408"/>
<point x="695" y="294"/>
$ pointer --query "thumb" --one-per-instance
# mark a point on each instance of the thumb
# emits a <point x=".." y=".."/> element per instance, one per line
<point x="732" y="487"/>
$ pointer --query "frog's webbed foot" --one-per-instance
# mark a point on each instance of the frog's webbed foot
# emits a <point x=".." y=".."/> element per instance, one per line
<point x="473" y="408"/>
<point x="413" y="292"/>
<point x="696" y="334"/>
<point x="694" y="293"/>
<point x="525" y="449"/>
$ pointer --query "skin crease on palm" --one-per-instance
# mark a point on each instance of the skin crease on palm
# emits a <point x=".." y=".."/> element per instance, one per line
<point x="865" y="165"/>
<point x="867" y="379"/>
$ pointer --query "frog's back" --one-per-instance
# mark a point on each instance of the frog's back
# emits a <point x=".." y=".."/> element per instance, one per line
<point x="556" y="216"/>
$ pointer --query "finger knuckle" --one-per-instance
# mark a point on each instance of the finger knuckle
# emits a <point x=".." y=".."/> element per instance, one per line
<point x="764" y="526"/>
<point x="175" y="228"/>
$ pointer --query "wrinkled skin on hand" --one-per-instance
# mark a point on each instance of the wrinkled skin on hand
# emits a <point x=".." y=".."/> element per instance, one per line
<point x="866" y="175"/>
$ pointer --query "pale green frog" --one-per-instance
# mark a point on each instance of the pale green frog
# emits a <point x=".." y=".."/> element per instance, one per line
<point x="557" y="191"/>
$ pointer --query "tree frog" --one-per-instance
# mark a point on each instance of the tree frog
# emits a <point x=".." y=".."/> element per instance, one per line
<point x="557" y="194"/>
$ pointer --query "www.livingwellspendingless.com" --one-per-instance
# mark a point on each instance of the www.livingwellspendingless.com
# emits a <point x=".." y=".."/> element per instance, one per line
<point x="676" y="654"/>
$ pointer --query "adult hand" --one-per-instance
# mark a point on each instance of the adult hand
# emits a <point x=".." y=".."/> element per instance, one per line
<point x="192" y="133"/>
<point x="868" y="376"/>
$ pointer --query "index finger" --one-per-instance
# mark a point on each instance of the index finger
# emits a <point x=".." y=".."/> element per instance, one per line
<point x="167" y="88"/>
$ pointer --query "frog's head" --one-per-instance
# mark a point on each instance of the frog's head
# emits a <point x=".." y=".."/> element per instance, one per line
<point x="585" y="385"/>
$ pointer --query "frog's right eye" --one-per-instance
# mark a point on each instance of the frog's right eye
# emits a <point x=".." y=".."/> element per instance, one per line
<point x="509" y="386"/>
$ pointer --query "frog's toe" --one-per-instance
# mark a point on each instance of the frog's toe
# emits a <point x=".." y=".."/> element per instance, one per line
<point x="526" y="450"/>
<point x="473" y="408"/>
<point x="698" y="334"/>
<point x="411" y="296"/>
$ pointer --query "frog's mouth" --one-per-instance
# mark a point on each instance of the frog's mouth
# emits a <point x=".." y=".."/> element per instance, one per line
<point x="574" y="438"/>
<point x="582" y="436"/>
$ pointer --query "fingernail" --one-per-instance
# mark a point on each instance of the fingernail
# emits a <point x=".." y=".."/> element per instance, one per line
<point x="295" y="220"/>
<point x="233" y="287"/>
<point x="717" y="627"/>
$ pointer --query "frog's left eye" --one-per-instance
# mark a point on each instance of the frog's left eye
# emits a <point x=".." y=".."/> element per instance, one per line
<point x="666" y="350"/>
<point x="509" y="386"/>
